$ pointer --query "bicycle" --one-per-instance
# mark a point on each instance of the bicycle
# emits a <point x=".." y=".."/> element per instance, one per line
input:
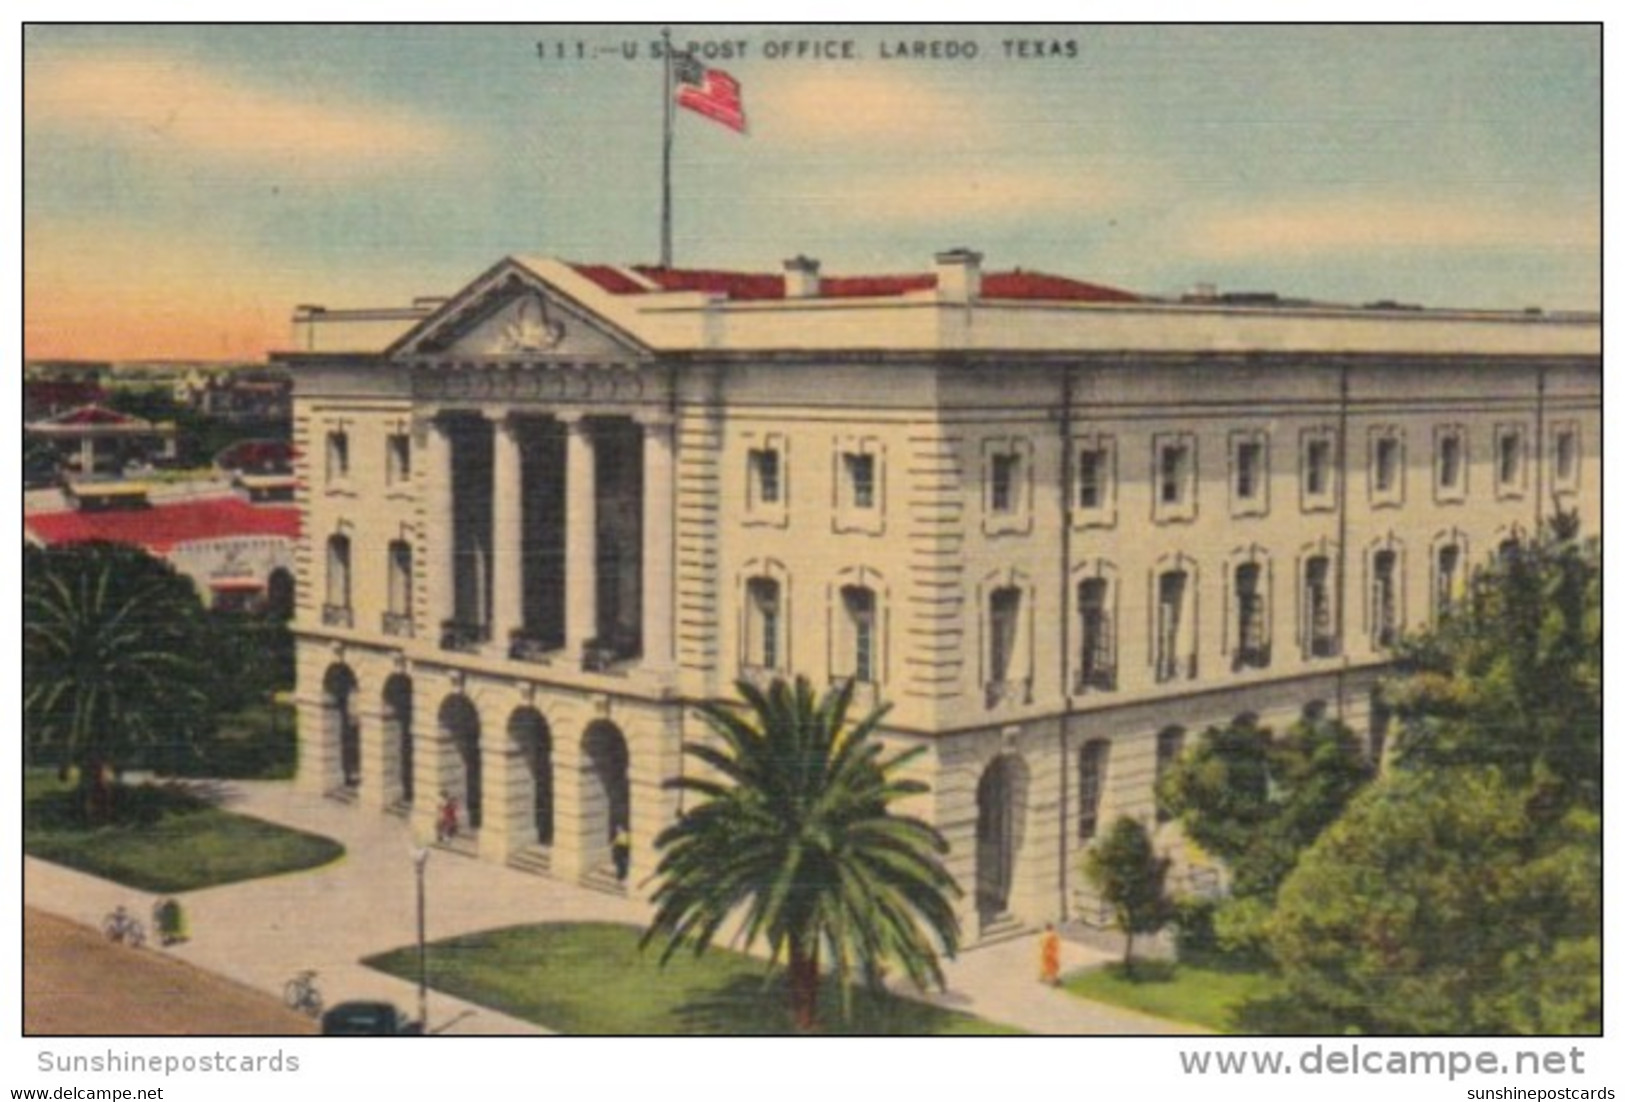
<point x="123" y="928"/>
<point x="300" y="993"/>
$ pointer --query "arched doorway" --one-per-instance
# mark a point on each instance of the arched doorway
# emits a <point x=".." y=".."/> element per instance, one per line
<point x="342" y="726"/>
<point x="460" y="726"/>
<point x="398" y="722"/>
<point x="533" y="742"/>
<point x="1001" y="798"/>
<point x="606" y="801"/>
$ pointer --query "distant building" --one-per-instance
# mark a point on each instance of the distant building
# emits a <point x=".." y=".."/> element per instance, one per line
<point x="1060" y="527"/>
<point x="238" y="555"/>
<point x="92" y="438"/>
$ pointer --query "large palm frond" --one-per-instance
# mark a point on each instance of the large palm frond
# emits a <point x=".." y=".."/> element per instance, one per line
<point x="794" y="839"/>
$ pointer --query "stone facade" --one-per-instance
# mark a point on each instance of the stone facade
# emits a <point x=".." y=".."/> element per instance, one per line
<point x="1060" y="533"/>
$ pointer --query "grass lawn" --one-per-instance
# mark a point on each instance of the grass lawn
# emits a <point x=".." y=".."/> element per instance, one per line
<point x="165" y="840"/>
<point x="1204" y="993"/>
<point x="259" y="742"/>
<point x="591" y="978"/>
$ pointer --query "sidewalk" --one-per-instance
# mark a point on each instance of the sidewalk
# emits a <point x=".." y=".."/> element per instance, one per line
<point x="261" y="932"/>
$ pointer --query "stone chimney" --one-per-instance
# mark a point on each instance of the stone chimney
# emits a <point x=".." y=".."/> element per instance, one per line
<point x="959" y="275"/>
<point x="801" y="277"/>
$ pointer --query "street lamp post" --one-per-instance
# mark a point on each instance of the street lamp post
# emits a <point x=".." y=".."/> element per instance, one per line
<point x="420" y="862"/>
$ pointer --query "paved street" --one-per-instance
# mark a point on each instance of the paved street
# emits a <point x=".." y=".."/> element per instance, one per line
<point x="261" y="932"/>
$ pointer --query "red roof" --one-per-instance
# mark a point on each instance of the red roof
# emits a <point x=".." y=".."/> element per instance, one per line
<point x="94" y="415"/>
<point x="1014" y="285"/>
<point x="161" y="527"/>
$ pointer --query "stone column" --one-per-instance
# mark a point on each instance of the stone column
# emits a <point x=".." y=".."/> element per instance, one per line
<point x="437" y="546"/>
<point x="379" y="755"/>
<point x="507" y="535"/>
<point x="318" y="748"/>
<point x="580" y="535"/>
<point x="658" y="551"/>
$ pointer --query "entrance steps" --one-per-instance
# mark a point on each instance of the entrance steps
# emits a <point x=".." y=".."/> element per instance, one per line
<point x="602" y="879"/>
<point x="401" y="809"/>
<point x="532" y="859"/>
<point x="343" y="794"/>
<point x="1003" y="927"/>
<point x="464" y="844"/>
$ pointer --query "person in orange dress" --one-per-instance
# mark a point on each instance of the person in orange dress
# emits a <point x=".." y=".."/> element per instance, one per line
<point x="1049" y="956"/>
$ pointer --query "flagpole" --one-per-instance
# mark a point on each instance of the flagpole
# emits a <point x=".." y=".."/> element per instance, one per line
<point x="665" y="157"/>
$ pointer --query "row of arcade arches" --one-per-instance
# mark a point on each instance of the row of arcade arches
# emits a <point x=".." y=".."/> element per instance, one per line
<point x="604" y="792"/>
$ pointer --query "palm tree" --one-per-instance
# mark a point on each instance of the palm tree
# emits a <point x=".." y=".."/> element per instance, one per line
<point x="115" y="659"/>
<point x="794" y="834"/>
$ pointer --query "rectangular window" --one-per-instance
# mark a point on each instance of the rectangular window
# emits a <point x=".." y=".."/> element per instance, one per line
<point x="1450" y="466"/>
<point x="398" y="458"/>
<point x="338" y="455"/>
<point x="860" y="476"/>
<point x="764" y="476"/>
<point x="1092" y="762"/>
<point x="1317" y="605"/>
<point x="1384" y="599"/>
<point x="1169" y="658"/>
<point x="1005" y="471"/>
<point x="1249" y="469"/>
<point x="1566" y="457"/>
<point x="1385" y="465"/>
<point x="1172" y="466"/>
<point x="1509" y="459"/>
<point x="1097" y="666"/>
<point x="1252" y="648"/>
<point x="1092" y="478"/>
<point x="1317" y="467"/>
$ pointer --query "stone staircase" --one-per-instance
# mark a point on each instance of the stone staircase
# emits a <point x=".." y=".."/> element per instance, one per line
<point x="602" y="879"/>
<point x="464" y="844"/>
<point x="536" y="860"/>
<point x="1005" y="927"/>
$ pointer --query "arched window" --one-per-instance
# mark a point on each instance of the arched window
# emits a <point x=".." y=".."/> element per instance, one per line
<point x="859" y="629"/>
<point x="1170" y="746"/>
<point x="1384" y="598"/>
<point x="336" y="611"/>
<point x="763" y="625"/>
<point x="1092" y="762"/>
<point x="1097" y="637"/>
<point x="398" y="620"/>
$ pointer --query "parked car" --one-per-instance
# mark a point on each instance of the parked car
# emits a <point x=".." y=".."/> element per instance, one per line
<point x="368" y="1019"/>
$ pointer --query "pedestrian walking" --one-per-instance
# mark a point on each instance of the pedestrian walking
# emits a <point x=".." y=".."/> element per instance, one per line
<point x="620" y="849"/>
<point x="1049" y="956"/>
<point x="445" y="828"/>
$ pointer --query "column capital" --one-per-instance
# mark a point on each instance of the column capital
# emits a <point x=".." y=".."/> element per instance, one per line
<point x="659" y="419"/>
<point x="574" y="418"/>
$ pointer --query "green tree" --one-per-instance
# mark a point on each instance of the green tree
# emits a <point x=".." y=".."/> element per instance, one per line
<point x="1130" y="876"/>
<point x="115" y="659"/>
<point x="1462" y="892"/>
<point x="1257" y="802"/>
<point x="1514" y="677"/>
<point x="794" y="834"/>
<point x="1437" y="905"/>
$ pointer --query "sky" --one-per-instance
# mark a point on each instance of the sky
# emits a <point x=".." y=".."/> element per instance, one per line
<point x="186" y="186"/>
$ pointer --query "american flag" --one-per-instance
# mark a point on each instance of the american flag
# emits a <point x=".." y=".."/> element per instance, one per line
<point x="709" y="92"/>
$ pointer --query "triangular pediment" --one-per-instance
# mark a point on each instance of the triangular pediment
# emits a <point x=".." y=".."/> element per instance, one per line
<point x="510" y="312"/>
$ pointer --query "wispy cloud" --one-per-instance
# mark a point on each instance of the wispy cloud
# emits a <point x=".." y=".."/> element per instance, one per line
<point x="871" y="110"/>
<point x="170" y="105"/>
<point x="954" y="193"/>
<point x="1297" y="229"/>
